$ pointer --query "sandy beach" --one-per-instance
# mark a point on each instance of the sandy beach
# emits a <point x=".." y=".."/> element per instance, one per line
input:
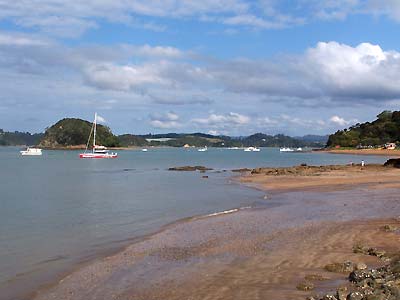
<point x="310" y="218"/>
<point x="383" y="152"/>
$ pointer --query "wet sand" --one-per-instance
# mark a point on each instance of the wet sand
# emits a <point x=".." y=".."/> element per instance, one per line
<point x="253" y="253"/>
<point x="324" y="178"/>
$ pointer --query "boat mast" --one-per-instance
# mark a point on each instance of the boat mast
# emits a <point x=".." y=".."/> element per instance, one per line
<point x="94" y="137"/>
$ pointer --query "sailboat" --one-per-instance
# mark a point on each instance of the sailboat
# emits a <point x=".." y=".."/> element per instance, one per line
<point x="97" y="150"/>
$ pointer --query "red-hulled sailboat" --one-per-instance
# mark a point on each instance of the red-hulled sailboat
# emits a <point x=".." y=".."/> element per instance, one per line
<point x="97" y="151"/>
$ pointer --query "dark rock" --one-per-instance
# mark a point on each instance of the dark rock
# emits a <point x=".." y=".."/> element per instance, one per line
<point x="393" y="162"/>
<point x="242" y="170"/>
<point x="189" y="168"/>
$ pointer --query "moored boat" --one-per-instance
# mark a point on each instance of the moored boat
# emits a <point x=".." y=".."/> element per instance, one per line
<point x="31" y="151"/>
<point x="251" y="149"/>
<point x="97" y="150"/>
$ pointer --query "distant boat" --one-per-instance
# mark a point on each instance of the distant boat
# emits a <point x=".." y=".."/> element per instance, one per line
<point x="31" y="151"/>
<point x="286" y="149"/>
<point x="204" y="149"/>
<point x="144" y="150"/>
<point x="251" y="149"/>
<point x="233" y="148"/>
<point x="97" y="150"/>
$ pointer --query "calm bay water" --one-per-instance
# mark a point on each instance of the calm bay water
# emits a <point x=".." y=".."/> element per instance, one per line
<point x="57" y="210"/>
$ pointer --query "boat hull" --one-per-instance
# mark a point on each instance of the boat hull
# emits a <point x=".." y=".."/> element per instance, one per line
<point x="98" y="155"/>
<point x="25" y="153"/>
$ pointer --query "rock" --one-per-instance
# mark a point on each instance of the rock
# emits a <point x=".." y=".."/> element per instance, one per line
<point x="389" y="228"/>
<point x="359" y="275"/>
<point x="347" y="266"/>
<point x="355" y="296"/>
<point x="361" y="266"/>
<point x="358" y="248"/>
<point x="189" y="168"/>
<point x="342" y="293"/>
<point x="393" y="162"/>
<point x="242" y="170"/>
<point x="305" y="286"/>
<point x="329" y="297"/>
<point x="376" y="252"/>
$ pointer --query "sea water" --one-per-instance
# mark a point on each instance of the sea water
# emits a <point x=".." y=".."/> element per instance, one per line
<point x="57" y="210"/>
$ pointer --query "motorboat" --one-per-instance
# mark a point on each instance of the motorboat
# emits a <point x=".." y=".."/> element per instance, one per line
<point x="144" y="150"/>
<point x="204" y="149"/>
<point x="251" y="149"/>
<point x="286" y="149"/>
<point x="98" y="151"/>
<point x="31" y="151"/>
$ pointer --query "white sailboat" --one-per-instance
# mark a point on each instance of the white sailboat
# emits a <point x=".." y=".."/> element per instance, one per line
<point x="97" y="150"/>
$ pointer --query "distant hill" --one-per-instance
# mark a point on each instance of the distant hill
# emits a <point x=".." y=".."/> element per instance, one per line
<point x="202" y="139"/>
<point x="73" y="132"/>
<point x="264" y="140"/>
<point x="130" y="140"/>
<point x="385" y="129"/>
<point x="316" y="139"/>
<point x="17" y="138"/>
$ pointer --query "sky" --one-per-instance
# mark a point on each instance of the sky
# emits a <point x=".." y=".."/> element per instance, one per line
<point x="232" y="67"/>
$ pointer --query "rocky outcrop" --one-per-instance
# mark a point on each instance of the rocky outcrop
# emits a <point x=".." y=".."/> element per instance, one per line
<point x="190" y="168"/>
<point x="393" y="162"/>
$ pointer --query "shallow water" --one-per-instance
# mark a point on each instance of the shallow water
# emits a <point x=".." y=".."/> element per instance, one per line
<point x="57" y="210"/>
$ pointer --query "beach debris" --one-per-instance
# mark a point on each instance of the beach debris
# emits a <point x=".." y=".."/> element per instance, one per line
<point x="344" y="267"/>
<point x="189" y="168"/>
<point x="305" y="286"/>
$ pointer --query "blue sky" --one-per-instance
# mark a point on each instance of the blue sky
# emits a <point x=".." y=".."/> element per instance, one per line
<point x="217" y="66"/>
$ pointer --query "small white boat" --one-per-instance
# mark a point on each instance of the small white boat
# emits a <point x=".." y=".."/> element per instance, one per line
<point x="251" y="149"/>
<point x="31" y="151"/>
<point x="204" y="149"/>
<point x="97" y="150"/>
<point x="286" y="149"/>
<point x="233" y="148"/>
<point x="144" y="150"/>
<point x="299" y="149"/>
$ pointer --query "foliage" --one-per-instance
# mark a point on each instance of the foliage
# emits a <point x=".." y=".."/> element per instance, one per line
<point x="384" y="130"/>
<point x="17" y="138"/>
<point x="72" y="132"/>
<point x="129" y="140"/>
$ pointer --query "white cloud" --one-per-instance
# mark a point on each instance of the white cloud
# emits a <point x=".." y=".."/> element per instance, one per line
<point x="168" y="120"/>
<point x="341" y="121"/>
<point x="18" y="39"/>
<point x="222" y="121"/>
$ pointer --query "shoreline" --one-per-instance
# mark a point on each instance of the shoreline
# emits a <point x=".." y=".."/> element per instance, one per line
<point x="213" y="253"/>
<point x="379" y="152"/>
